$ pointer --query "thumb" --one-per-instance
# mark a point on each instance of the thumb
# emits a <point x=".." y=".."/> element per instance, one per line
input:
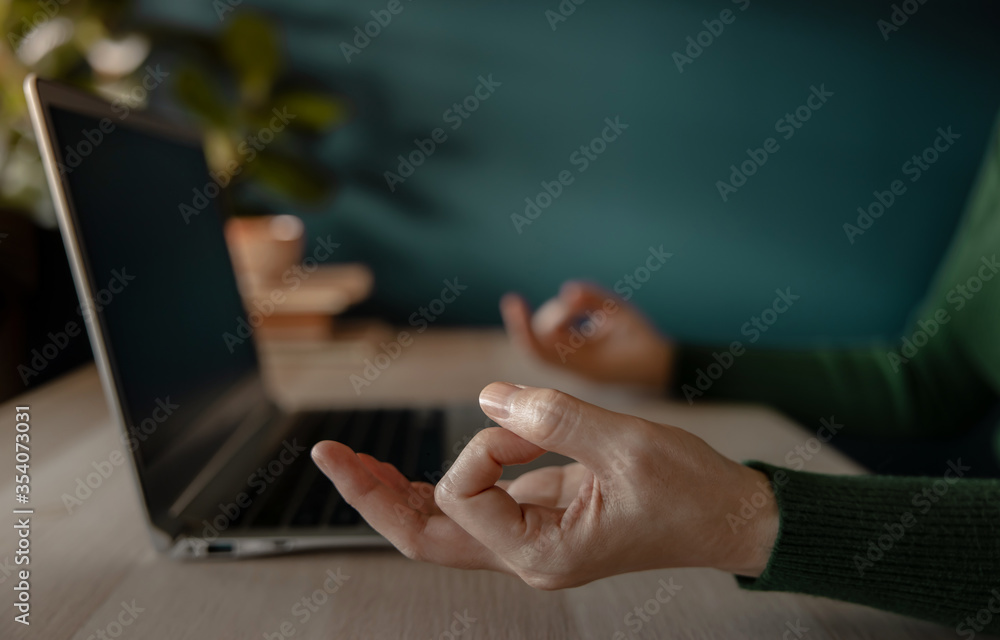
<point x="576" y="298"/>
<point x="556" y="421"/>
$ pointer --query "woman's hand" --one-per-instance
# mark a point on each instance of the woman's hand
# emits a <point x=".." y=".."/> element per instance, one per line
<point x="593" y="333"/>
<point x="643" y="496"/>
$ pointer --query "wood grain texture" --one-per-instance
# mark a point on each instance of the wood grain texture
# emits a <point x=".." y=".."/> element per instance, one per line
<point x="87" y="563"/>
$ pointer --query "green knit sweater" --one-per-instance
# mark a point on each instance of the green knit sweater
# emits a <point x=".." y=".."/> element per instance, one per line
<point x="924" y="547"/>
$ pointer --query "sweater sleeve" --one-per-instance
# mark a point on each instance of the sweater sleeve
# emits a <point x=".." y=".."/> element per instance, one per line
<point x="874" y="391"/>
<point x="938" y="379"/>
<point x="921" y="547"/>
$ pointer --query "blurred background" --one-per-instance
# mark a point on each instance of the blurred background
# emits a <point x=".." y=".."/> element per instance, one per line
<point x="369" y="87"/>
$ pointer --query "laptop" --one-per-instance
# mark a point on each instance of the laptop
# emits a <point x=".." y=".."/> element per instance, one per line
<point x="222" y="470"/>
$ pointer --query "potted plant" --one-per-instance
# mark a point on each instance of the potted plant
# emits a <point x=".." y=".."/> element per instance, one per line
<point x="230" y="81"/>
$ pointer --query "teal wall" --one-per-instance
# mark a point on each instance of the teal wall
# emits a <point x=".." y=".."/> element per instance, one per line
<point x="656" y="184"/>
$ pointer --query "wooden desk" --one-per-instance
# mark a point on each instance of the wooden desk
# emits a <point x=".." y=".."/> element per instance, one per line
<point x="84" y="565"/>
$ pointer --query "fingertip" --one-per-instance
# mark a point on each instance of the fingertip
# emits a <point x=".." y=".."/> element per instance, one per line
<point x="495" y="399"/>
<point x="505" y="382"/>
<point x="516" y="317"/>
<point x="327" y="454"/>
<point x="509" y="297"/>
<point x="508" y="302"/>
<point x="571" y="288"/>
<point x="511" y="302"/>
<point x="326" y="448"/>
<point x="319" y="450"/>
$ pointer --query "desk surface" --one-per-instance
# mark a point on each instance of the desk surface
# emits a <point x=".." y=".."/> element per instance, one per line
<point x="87" y="563"/>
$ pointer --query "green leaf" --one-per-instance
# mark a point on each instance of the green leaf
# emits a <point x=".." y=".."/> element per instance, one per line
<point x="289" y="177"/>
<point x="250" y="45"/>
<point x="197" y="91"/>
<point x="312" y="111"/>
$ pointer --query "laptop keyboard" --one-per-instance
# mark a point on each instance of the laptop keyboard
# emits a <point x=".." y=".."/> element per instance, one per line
<point x="301" y="496"/>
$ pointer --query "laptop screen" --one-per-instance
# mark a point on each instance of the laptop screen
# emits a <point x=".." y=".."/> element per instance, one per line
<point x="164" y="288"/>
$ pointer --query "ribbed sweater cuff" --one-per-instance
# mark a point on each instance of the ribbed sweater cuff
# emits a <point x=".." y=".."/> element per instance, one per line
<point x="923" y="547"/>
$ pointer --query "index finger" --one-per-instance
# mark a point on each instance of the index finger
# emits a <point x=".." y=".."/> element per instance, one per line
<point x="469" y="495"/>
<point x="399" y="515"/>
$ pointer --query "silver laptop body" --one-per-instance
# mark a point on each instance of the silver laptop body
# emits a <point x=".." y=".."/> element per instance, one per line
<point x="210" y="453"/>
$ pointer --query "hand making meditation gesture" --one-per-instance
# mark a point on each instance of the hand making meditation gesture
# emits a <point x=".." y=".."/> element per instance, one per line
<point x="640" y="496"/>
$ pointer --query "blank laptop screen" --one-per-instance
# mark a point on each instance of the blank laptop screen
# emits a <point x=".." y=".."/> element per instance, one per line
<point x="164" y="286"/>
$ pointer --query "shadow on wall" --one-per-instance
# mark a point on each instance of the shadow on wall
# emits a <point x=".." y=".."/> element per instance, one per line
<point x="511" y="149"/>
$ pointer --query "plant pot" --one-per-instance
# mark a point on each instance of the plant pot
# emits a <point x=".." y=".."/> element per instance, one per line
<point x="264" y="248"/>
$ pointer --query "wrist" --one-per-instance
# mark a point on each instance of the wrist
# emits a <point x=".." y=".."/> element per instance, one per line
<point x="754" y="526"/>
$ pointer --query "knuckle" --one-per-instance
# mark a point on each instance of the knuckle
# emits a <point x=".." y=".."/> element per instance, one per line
<point x="633" y="456"/>
<point x="481" y="443"/>
<point x="639" y="434"/>
<point x="554" y="415"/>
